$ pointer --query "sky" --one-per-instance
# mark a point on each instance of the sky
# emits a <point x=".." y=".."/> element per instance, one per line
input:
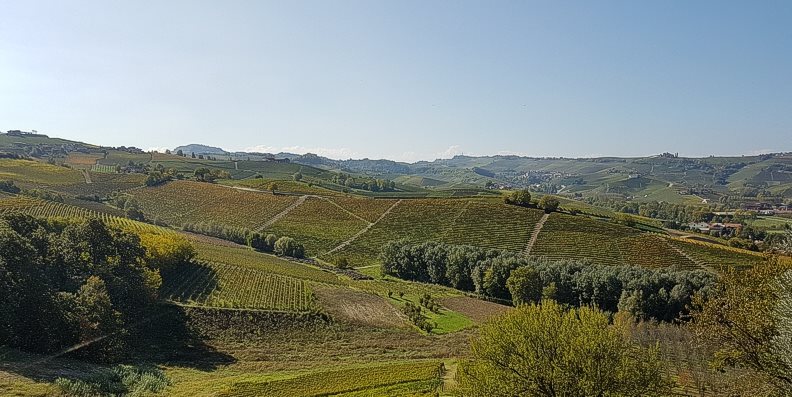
<point x="404" y="80"/>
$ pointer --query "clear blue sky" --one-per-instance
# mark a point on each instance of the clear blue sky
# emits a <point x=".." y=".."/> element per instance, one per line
<point x="404" y="80"/>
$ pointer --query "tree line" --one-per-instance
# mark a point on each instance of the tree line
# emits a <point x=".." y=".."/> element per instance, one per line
<point x="661" y="294"/>
<point x="66" y="283"/>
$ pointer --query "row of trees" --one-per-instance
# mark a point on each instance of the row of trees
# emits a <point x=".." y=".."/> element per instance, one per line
<point x="68" y="283"/>
<point x="661" y="294"/>
<point x="523" y="198"/>
<point x="283" y="245"/>
<point x="364" y="183"/>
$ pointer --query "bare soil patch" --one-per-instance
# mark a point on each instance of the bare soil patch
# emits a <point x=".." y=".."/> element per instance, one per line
<point x="359" y="307"/>
<point x="476" y="309"/>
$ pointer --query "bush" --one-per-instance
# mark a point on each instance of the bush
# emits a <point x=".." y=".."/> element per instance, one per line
<point x="287" y="246"/>
<point x="545" y="350"/>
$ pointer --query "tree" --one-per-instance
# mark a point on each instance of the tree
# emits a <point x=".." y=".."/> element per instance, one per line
<point x="180" y="153"/>
<point x="289" y="247"/>
<point x="298" y="176"/>
<point x="99" y="323"/>
<point x="549" y="203"/>
<point x="525" y="285"/>
<point x="745" y="320"/>
<point x="545" y="350"/>
<point x="343" y="263"/>
<point x="273" y="187"/>
<point x="270" y="241"/>
<point x="520" y="197"/>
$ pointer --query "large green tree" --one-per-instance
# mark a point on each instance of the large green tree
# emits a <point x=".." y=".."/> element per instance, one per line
<point x="525" y="285"/>
<point x="547" y="350"/>
<point x="746" y="319"/>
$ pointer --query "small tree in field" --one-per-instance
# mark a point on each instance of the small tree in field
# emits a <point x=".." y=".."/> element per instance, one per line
<point x="520" y="197"/>
<point x="343" y="263"/>
<point x="549" y="204"/>
<point x="546" y="350"/>
<point x="289" y="247"/>
<point x="273" y="187"/>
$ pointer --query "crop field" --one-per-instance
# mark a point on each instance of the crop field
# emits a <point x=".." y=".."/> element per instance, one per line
<point x="318" y="225"/>
<point x="43" y="208"/>
<point x="414" y="378"/>
<point x="480" y="222"/>
<point x="222" y="285"/>
<point x="578" y="237"/>
<point x="491" y="224"/>
<point x="36" y="172"/>
<point x="108" y="169"/>
<point x="118" y="157"/>
<point x="716" y="255"/>
<point x="415" y="220"/>
<point x="180" y="202"/>
<point x="245" y="257"/>
<point x="367" y="208"/>
<point x="83" y="160"/>
<point x="283" y="186"/>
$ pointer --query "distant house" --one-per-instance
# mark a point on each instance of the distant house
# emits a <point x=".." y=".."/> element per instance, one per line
<point x="766" y="212"/>
<point x="700" y="226"/>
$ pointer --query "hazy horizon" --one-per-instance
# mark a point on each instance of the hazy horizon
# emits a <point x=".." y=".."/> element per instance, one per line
<point x="405" y="81"/>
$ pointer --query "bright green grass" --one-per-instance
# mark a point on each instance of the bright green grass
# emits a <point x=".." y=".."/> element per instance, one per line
<point x="447" y="320"/>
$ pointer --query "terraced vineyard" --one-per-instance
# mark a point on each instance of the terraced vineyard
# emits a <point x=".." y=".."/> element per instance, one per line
<point x="107" y="169"/>
<point x="416" y="378"/>
<point x="317" y="224"/>
<point x="222" y="285"/>
<point x="180" y="202"/>
<point x="43" y="208"/>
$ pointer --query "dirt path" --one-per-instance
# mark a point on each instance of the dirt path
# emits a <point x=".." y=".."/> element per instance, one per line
<point x="87" y="176"/>
<point x="535" y="234"/>
<point x="343" y="209"/>
<point x="364" y="230"/>
<point x="449" y="377"/>
<point x="282" y="214"/>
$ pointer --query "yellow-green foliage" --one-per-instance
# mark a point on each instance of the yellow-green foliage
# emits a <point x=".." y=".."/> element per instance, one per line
<point x="29" y="171"/>
<point x="577" y="352"/>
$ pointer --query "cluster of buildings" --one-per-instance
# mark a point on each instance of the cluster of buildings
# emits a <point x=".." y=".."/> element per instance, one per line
<point x="707" y="227"/>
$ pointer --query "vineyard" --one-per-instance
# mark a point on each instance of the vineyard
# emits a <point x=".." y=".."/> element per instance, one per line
<point x="578" y="237"/>
<point x="483" y="223"/>
<point x="245" y="257"/>
<point x="222" y="285"/>
<point x="43" y="208"/>
<point x="392" y="379"/>
<point x="107" y="169"/>
<point x="36" y="172"/>
<point x="715" y="255"/>
<point x="318" y="224"/>
<point x="181" y="202"/>
<point x="367" y="208"/>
